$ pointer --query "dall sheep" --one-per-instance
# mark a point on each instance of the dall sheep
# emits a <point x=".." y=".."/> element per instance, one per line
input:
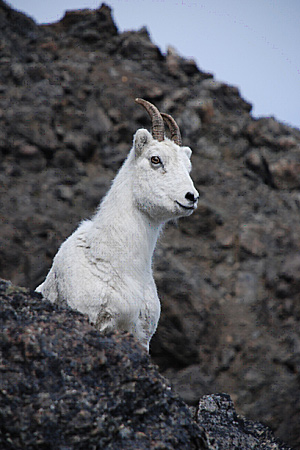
<point x="104" y="269"/>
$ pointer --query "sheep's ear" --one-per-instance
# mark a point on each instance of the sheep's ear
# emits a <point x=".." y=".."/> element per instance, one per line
<point x="142" y="139"/>
<point x="187" y="151"/>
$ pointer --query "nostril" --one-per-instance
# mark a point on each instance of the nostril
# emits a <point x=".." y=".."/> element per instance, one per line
<point x="190" y="196"/>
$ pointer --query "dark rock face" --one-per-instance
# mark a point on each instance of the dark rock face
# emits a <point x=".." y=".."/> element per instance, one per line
<point x="228" y="276"/>
<point x="227" y="431"/>
<point x="63" y="385"/>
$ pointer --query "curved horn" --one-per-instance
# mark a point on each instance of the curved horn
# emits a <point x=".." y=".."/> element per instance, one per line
<point x="174" y="128"/>
<point x="158" y="128"/>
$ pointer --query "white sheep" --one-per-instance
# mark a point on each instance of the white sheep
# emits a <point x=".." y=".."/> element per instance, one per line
<point x="104" y="269"/>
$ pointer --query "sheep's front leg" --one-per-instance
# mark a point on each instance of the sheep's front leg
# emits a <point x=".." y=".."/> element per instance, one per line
<point x="105" y="323"/>
<point x="140" y="330"/>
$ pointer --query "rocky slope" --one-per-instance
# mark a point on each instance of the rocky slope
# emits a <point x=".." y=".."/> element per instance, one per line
<point x="64" y="386"/>
<point x="229" y="275"/>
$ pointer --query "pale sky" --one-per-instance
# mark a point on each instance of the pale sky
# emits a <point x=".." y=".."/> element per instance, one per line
<point x="254" y="45"/>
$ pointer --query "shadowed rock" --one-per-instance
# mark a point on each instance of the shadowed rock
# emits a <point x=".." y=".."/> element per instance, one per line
<point x="228" y="277"/>
<point x="63" y="385"/>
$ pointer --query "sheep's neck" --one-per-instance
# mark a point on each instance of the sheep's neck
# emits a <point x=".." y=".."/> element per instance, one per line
<point x="123" y="234"/>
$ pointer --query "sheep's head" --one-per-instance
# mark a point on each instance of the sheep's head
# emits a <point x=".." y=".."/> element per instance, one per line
<point x="162" y="186"/>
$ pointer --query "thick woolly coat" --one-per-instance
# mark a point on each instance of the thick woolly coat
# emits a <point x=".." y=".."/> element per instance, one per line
<point x="104" y="269"/>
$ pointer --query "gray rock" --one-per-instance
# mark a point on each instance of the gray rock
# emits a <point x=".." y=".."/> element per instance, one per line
<point x="63" y="385"/>
<point x="227" y="431"/>
<point x="227" y="275"/>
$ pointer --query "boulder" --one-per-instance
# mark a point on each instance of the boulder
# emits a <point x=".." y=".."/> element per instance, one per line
<point x="63" y="385"/>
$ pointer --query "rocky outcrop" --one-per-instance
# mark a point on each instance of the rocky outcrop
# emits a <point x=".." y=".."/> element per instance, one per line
<point x="63" y="385"/>
<point x="225" y="430"/>
<point x="227" y="276"/>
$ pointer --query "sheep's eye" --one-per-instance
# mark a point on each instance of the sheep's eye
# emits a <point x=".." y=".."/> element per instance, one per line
<point x="155" y="160"/>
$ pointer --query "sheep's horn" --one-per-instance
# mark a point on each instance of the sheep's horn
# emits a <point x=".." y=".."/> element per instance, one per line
<point x="174" y="128"/>
<point x="158" y="128"/>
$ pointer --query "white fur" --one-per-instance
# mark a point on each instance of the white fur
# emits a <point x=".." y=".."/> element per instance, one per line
<point x="104" y="268"/>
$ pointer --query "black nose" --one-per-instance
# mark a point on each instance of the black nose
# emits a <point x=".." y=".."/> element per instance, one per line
<point x="190" y="196"/>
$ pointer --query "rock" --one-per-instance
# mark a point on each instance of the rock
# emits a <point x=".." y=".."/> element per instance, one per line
<point x="179" y="67"/>
<point x="190" y="121"/>
<point x="286" y="173"/>
<point x="246" y="287"/>
<point x="204" y="221"/>
<point x="28" y="150"/>
<point x="279" y="173"/>
<point x="65" y="193"/>
<point x="172" y="62"/>
<point x="207" y="149"/>
<point x="182" y="380"/>
<point x="98" y="123"/>
<point x="227" y="97"/>
<point x="252" y="239"/>
<point x="83" y="145"/>
<point x="63" y="385"/>
<point x="227" y="431"/>
<point x="18" y="72"/>
<point x="227" y="276"/>
<point x="89" y="25"/>
<point x="17" y="32"/>
<point x="257" y="161"/>
<point x="64" y="158"/>
<point x="289" y="276"/>
<point x="138" y="46"/>
<point x="270" y="133"/>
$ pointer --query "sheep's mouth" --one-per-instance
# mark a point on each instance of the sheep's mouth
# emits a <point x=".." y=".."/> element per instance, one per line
<point x="185" y="207"/>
